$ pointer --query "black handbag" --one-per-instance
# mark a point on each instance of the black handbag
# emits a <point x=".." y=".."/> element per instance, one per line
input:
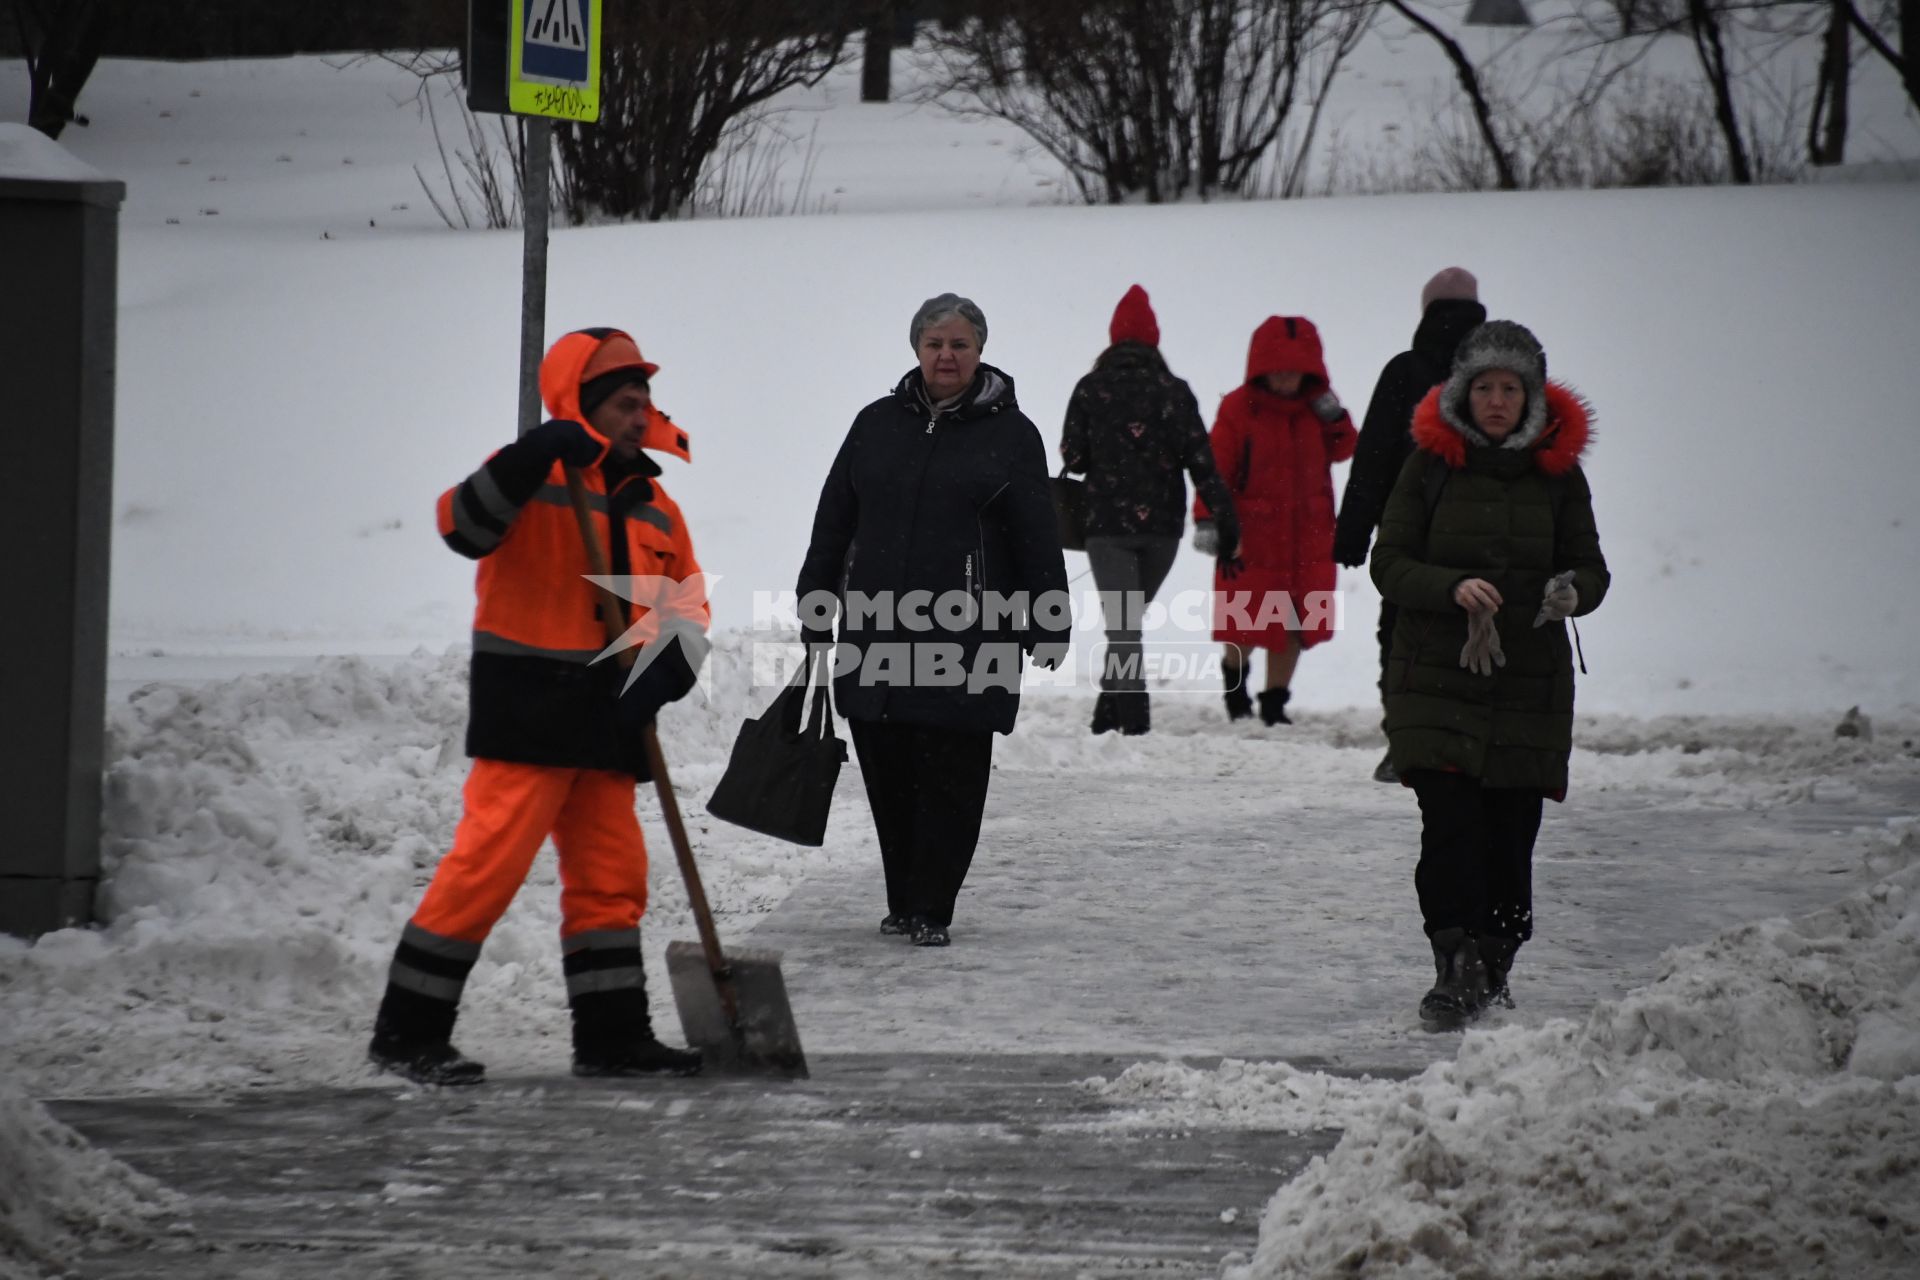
<point x="779" y="780"/>
<point x="1070" y="510"/>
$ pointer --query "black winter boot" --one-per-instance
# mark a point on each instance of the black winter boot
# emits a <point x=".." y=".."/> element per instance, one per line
<point x="1105" y="718"/>
<point x="1497" y="952"/>
<point x="613" y="1036"/>
<point x="1136" y="714"/>
<point x="413" y="1037"/>
<point x="1239" y="703"/>
<point x="1273" y="706"/>
<point x="1460" y="982"/>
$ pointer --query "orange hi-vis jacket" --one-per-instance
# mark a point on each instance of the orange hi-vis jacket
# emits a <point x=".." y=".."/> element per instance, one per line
<point x="537" y="695"/>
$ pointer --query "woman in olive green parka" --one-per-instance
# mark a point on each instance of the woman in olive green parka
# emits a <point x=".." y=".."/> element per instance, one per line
<point x="1488" y="544"/>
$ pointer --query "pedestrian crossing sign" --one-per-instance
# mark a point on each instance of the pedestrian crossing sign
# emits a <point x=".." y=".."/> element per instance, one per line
<point x="554" y="59"/>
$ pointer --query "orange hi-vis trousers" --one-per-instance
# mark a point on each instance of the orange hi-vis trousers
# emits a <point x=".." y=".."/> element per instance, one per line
<point x="510" y="809"/>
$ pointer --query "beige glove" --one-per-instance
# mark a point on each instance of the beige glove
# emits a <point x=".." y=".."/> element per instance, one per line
<point x="1559" y="600"/>
<point x="1482" y="652"/>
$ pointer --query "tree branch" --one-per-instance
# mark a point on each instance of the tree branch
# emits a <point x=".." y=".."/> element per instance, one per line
<point x="1470" y="82"/>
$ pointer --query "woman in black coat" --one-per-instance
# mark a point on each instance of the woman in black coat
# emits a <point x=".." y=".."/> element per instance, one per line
<point x="1135" y="431"/>
<point x="935" y="543"/>
<point x="1449" y="310"/>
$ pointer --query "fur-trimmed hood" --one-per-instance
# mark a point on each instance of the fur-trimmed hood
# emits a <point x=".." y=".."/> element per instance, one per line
<point x="1564" y="430"/>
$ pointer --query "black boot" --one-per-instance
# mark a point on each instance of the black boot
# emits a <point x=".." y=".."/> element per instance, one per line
<point x="613" y="1036"/>
<point x="1496" y="952"/>
<point x="1239" y="703"/>
<point x="1135" y="711"/>
<point x="1460" y="982"/>
<point x="1105" y="718"/>
<point x="413" y="1037"/>
<point x="1273" y="706"/>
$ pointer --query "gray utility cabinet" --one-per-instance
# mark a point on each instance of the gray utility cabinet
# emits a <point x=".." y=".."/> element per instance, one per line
<point x="59" y="232"/>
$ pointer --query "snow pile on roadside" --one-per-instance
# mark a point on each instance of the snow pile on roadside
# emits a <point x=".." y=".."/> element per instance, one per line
<point x="265" y="839"/>
<point x="1754" y="1111"/>
<point x="57" y="1193"/>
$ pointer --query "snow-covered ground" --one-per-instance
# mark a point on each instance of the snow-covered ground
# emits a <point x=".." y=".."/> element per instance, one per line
<point x="307" y="357"/>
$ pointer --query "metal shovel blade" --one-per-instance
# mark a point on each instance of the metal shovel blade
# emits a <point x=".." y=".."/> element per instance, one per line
<point x="765" y="1042"/>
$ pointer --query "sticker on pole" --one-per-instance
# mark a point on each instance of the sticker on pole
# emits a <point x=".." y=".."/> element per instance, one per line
<point x="554" y="62"/>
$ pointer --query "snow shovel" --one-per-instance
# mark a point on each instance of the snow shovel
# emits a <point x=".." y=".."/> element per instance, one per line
<point x="733" y="1008"/>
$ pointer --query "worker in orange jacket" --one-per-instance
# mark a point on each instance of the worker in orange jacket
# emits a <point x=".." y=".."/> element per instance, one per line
<point x="555" y="734"/>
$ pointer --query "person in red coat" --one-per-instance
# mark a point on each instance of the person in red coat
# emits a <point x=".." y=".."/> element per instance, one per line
<point x="1275" y="440"/>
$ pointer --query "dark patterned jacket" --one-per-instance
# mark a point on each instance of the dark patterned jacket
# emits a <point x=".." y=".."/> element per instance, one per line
<point x="1135" y="431"/>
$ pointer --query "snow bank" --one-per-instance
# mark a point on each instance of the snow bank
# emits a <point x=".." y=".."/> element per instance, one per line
<point x="1754" y="1111"/>
<point x="265" y="838"/>
<point x="57" y="1193"/>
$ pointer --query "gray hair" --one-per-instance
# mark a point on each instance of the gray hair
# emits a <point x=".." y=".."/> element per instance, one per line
<point x="939" y="310"/>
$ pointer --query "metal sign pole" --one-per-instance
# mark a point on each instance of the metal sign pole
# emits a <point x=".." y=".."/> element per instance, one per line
<point x="536" y="161"/>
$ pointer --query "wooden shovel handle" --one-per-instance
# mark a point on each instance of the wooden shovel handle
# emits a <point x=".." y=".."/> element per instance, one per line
<point x="613" y="613"/>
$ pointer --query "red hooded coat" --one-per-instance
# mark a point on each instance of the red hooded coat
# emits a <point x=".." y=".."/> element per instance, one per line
<point x="1277" y="459"/>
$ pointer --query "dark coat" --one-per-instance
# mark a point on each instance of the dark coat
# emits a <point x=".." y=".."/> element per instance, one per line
<point x="958" y="501"/>
<point x="1514" y="517"/>
<point x="1385" y="440"/>
<point x="1133" y="429"/>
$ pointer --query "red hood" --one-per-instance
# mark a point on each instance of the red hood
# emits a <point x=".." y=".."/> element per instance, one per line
<point x="1286" y="342"/>
<point x="1565" y="437"/>
<point x="560" y="376"/>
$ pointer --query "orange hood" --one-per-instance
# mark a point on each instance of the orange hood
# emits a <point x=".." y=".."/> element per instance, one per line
<point x="592" y="352"/>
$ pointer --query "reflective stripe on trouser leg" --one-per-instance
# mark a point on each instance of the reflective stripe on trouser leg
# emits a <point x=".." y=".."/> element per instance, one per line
<point x="427" y="964"/>
<point x="602" y="960"/>
<point x="510" y="808"/>
<point x="603" y="856"/>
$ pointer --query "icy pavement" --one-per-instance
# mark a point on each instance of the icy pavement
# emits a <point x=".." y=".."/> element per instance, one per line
<point x="996" y="1167"/>
<point x="1255" y="915"/>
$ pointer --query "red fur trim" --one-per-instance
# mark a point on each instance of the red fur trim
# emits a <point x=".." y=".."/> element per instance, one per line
<point x="1568" y="432"/>
<point x="1569" y="429"/>
<point x="1434" y="434"/>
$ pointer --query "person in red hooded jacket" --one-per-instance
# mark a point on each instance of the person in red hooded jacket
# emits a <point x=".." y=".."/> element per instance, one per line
<point x="553" y="731"/>
<point x="1275" y="441"/>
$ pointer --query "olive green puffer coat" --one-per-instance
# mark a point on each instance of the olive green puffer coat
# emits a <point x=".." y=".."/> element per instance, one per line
<point x="1514" y="517"/>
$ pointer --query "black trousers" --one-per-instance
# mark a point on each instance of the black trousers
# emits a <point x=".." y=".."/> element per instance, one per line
<point x="1476" y="854"/>
<point x="927" y="788"/>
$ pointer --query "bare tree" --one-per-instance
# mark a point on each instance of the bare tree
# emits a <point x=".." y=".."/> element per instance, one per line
<point x="1739" y="46"/>
<point x="673" y="78"/>
<point x="1827" y="122"/>
<point x="1349" y="24"/>
<point x="1910" y="49"/>
<point x="1152" y="100"/>
<point x="1469" y="78"/>
<point x="876" y="55"/>
<point x="62" y="40"/>
<point x="1903" y="15"/>
<point x="1703" y="27"/>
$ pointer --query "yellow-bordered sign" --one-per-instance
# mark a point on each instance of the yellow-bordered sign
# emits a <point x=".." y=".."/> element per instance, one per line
<point x="553" y="59"/>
